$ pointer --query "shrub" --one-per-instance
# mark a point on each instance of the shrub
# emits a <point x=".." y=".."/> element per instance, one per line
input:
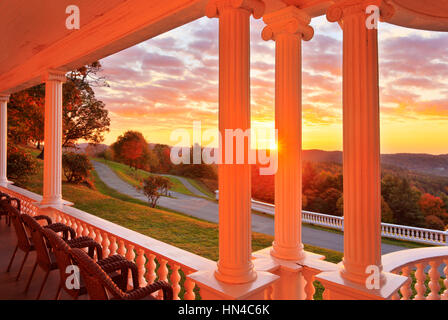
<point x="434" y="222"/>
<point x="154" y="187"/>
<point x="21" y="165"/>
<point x="76" y="167"/>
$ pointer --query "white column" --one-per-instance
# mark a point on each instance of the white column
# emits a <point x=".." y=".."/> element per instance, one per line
<point x="361" y="140"/>
<point x="235" y="250"/>
<point x="52" y="191"/>
<point x="3" y="139"/>
<point x="287" y="27"/>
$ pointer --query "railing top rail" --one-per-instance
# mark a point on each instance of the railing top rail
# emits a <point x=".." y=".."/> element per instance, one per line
<point x="29" y="194"/>
<point x="397" y="259"/>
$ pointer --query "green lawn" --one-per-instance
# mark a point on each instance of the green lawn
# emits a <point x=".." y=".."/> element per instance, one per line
<point x="136" y="177"/>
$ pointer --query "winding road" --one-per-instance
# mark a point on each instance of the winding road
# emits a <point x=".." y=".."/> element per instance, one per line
<point x="208" y="210"/>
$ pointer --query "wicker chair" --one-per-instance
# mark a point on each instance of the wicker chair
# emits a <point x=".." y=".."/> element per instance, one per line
<point x="101" y="287"/>
<point x="3" y="211"/>
<point x="45" y="258"/>
<point x="24" y="242"/>
<point x="110" y="265"/>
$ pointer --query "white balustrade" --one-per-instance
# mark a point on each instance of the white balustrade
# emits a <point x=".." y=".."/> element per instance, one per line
<point x="174" y="263"/>
<point x="425" y="267"/>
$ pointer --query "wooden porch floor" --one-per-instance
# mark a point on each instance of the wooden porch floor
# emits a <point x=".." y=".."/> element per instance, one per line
<point x="10" y="289"/>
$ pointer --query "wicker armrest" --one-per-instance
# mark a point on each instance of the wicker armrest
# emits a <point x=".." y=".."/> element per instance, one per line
<point x="141" y="293"/>
<point x="124" y="266"/>
<point x="110" y="259"/>
<point x="42" y="217"/>
<point x="86" y="242"/>
<point x="66" y="230"/>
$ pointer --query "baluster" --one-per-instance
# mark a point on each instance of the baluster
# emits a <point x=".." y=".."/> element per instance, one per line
<point x="98" y="238"/>
<point x="434" y="281"/>
<point x="420" y="286"/>
<point x="309" y="286"/>
<point x="85" y="230"/>
<point x="130" y="255"/>
<point x="189" y="289"/>
<point x="268" y="293"/>
<point x="162" y="272"/>
<point x="445" y="282"/>
<point x="113" y="246"/>
<point x="105" y="244"/>
<point x="79" y="228"/>
<point x="405" y="289"/>
<point x="140" y="261"/>
<point x="175" y="279"/>
<point x="151" y="268"/>
<point x="121" y="248"/>
<point x="92" y="233"/>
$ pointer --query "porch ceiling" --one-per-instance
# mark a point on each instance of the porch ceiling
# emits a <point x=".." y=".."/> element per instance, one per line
<point x="27" y="27"/>
<point x="33" y="36"/>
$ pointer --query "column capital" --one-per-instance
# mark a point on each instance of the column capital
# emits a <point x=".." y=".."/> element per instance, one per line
<point x="287" y="20"/>
<point x="4" y="97"/>
<point x="54" y="75"/>
<point x="345" y="8"/>
<point x="255" y="7"/>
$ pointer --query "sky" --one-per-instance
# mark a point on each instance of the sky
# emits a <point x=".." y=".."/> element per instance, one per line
<point x="168" y="82"/>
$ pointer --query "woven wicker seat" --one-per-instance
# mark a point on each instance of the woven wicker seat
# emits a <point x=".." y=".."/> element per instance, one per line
<point x="101" y="287"/>
<point x="116" y="266"/>
<point x="45" y="258"/>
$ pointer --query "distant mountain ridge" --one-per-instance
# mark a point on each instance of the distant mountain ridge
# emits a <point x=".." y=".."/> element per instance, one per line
<point x="419" y="162"/>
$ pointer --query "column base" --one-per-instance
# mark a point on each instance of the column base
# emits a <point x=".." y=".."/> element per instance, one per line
<point x="235" y="276"/>
<point x="53" y="203"/>
<point x="338" y="288"/>
<point x="213" y="289"/>
<point x="292" y="254"/>
<point x="5" y="183"/>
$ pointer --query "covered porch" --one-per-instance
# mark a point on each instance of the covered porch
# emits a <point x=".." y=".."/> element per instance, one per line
<point x="285" y="270"/>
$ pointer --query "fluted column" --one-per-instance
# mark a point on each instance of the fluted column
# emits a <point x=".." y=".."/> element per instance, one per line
<point x="234" y="265"/>
<point x="3" y="139"/>
<point x="287" y="27"/>
<point x="361" y="140"/>
<point x="52" y="191"/>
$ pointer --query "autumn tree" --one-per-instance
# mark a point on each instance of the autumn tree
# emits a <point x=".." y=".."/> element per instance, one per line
<point x="433" y="207"/>
<point x="154" y="187"/>
<point x="84" y="116"/>
<point x="132" y="149"/>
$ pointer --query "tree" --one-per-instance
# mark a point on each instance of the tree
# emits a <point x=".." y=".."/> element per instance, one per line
<point x="84" y="117"/>
<point x="402" y="199"/>
<point x="433" y="206"/>
<point x="26" y="116"/>
<point x="132" y="149"/>
<point x="77" y="167"/>
<point x="162" y="154"/>
<point x="154" y="187"/>
<point x="20" y="165"/>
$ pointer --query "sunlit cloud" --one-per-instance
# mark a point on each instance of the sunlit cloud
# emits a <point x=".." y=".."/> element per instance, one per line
<point x="172" y="80"/>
